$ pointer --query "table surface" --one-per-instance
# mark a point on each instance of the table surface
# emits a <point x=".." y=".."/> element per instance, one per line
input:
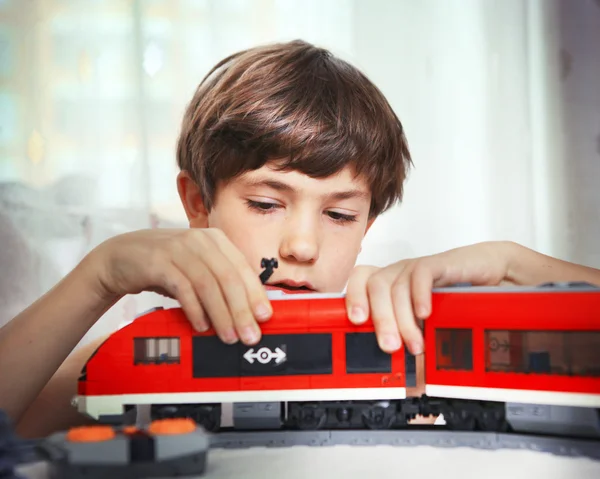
<point x="382" y="462"/>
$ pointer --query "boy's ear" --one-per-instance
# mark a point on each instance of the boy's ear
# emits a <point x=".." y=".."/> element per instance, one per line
<point x="191" y="199"/>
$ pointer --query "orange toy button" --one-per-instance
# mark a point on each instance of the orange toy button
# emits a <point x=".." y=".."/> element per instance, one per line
<point x="172" y="426"/>
<point x="130" y="429"/>
<point x="90" y="434"/>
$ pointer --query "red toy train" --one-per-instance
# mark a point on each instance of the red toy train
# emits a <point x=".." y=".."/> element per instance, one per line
<point x="496" y="359"/>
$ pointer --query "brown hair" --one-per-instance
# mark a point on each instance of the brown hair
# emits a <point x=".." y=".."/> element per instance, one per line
<point x="296" y="103"/>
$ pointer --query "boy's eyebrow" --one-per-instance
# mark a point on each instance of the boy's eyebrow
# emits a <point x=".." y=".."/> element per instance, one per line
<point x="284" y="187"/>
<point x="346" y="195"/>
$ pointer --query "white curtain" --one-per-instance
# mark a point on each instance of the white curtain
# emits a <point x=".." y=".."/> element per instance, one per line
<point x="502" y="107"/>
<point x="499" y="99"/>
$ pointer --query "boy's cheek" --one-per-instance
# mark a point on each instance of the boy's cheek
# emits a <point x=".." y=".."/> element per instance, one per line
<point x="339" y="274"/>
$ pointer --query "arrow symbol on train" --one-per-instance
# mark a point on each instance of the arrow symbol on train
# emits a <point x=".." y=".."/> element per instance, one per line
<point x="279" y="355"/>
<point x="264" y="355"/>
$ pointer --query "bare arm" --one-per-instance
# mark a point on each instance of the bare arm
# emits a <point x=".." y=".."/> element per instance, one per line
<point x="528" y="267"/>
<point x="189" y="265"/>
<point x="52" y="410"/>
<point x="488" y="263"/>
<point x="36" y="343"/>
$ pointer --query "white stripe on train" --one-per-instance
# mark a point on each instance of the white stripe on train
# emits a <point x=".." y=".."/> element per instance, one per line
<point x="95" y="406"/>
<point x="514" y="395"/>
<point x="113" y="404"/>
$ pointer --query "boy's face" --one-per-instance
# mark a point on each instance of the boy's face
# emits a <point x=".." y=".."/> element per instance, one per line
<point x="314" y="227"/>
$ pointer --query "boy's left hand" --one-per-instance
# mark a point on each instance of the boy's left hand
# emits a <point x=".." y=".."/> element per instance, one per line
<point x="396" y="296"/>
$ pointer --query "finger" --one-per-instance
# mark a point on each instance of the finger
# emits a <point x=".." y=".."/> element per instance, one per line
<point x="382" y="313"/>
<point x="177" y="286"/>
<point x="357" y="300"/>
<point x="428" y="273"/>
<point x="255" y="290"/>
<point x="233" y="290"/>
<point x="403" y="311"/>
<point x="422" y="279"/>
<point x="208" y="290"/>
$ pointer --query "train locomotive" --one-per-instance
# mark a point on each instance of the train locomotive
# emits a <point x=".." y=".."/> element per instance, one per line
<point x="523" y="359"/>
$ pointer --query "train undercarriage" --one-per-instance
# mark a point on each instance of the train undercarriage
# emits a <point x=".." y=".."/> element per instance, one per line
<point x="461" y="415"/>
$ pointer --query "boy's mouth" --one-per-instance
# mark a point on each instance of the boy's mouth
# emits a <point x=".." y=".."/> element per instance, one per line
<point x="290" y="287"/>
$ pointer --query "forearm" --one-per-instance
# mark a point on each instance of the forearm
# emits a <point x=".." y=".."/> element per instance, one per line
<point x="528" y="267"/>
<point x="35" y="343"/>
<point x="56" y="397"/>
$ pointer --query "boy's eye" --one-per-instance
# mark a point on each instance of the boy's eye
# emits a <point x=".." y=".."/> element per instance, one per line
<point x="261" y="205"/>
<point x="266" y="207"/>
<point x="341" y="217"/>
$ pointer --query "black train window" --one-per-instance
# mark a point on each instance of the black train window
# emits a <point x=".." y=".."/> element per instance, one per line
<point x="363" y="354"/>
<point x="274" y="355"/>
<point x="454" y="349"/>
<point x="568" y="353"/>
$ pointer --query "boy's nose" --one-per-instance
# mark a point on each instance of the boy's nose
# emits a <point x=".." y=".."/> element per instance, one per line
<point x="300" y="246"/>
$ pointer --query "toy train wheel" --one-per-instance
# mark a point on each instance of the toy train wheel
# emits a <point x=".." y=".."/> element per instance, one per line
<point x="343" y="415"/>
<point x="474" y="415"/>
<point x="378" y="417"/>
<point x="206" y="415"/>
<point x="492" y="419"/>
<point x="311" y="416"/>
<point x="460" y="419"/>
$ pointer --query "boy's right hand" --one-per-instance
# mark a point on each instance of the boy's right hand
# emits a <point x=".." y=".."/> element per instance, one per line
<point x="200" y="268"/>
<point x="398" y="295"/>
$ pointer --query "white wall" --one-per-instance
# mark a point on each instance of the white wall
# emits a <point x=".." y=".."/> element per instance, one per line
<point x="456" y="73"/>
<point x="580" y="89"/>
<point x="501" y="103"/>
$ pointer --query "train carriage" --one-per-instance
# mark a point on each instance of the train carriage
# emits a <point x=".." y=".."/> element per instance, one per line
<point x="540" y="346"/>
<point x="491" y="353"/>
<point x="495" y="354"/>
<point x="309" y="352"/>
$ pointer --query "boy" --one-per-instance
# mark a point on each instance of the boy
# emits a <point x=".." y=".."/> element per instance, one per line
<point x="286" y="152"/>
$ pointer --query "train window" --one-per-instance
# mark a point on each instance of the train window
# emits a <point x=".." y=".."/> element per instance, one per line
<point x="156" y="351"/>
<point x="584" y="353"/>
<point x="569" y="353"/>
<point x="454" y="349"/>
<point x="363" y="354"/>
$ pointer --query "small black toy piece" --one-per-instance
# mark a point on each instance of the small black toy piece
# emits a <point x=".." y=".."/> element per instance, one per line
<point x="269" y="265"/>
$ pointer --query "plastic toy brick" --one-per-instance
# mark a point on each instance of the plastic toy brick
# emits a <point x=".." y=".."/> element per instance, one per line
<point x="172" y="447"/>
<point x="268" y="265"/>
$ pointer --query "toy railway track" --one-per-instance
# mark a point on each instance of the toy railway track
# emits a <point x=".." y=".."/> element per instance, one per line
<point x="567" y="447"/>
<point x="561" y="446"/>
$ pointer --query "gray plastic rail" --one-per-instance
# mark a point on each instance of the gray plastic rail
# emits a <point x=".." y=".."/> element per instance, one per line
<point x="561" y="446"/>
